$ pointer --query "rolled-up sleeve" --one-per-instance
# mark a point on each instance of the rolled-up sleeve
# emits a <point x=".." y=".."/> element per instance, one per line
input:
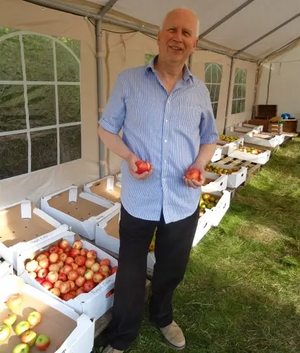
<point x="114" y="114"/>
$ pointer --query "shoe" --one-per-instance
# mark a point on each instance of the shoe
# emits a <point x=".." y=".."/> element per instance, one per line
<point x="174" y="336"/>
<point x="110" y="349"/>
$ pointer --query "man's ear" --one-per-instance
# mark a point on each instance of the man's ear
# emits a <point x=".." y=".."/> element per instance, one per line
<point x="195" y="43"/>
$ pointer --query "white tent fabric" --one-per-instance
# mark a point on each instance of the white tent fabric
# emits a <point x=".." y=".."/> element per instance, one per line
<point x="246" y="26"/>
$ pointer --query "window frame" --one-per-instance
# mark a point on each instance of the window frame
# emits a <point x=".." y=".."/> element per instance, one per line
<point x="239" y="98"/>
<point x="207" y="65"/>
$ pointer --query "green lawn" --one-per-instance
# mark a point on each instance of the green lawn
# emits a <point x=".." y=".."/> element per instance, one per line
<point x="241" y="292"/>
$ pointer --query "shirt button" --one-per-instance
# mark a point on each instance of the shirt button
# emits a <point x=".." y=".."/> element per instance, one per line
<point x="167" y="120"/>
<point x="166" y="141"/>
<point x="164" y="179"/>
<point x="165" y="161"/>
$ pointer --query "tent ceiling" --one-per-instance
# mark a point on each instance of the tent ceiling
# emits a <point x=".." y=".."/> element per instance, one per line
<point x="249" y="24"/>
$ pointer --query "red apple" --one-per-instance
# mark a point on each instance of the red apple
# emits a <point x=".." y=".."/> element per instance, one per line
<point x="32" y="274"/>
<point x="58" y="283"/>
<point x="89" y="262"/>
<point x="74" y="266"/>
<point x="105" y="262"/>
<point x="142" y="167"/>
<point x="63" y="244"/>
<point x="42" y="342"/>
<point x="34" y="318"/>
<point x="67" y="296"/>
<point x="91" y="254"/>
<point x="81" y="270"/>
<point x="62" y="277"/>
<point x="80" y="260"/>
<point x="95" y="267"/>
<point x="69" y="260"/>
<point x="65" y="287"/>
<point x="42" y="273"/>
<point x="31" y="266"/>
<point x="14" y="302"/>
<point x="60" y="264"/>
<point x="41" y="257"/>
<point x="60" y="251"/>
<point x="74" y="252"/>
<point x="73" y="275"/>
<point x="88" y="285"/>
<point x="55" y="291"/>
<point x="44" y="263"/>
<point x="53" y="258"/>
<point x="63" y="257"/>
<point x="80" y="281"/>
<point x="193" y="174"/>
<point x="54" y="249"/>
<point x="83" y="252"/>
<point x="66" y="269"/>
<point x="104" y="268"/>
<point x="54" y="267"/>
<point x="79" y="291"/>
<point x="47" y="284"/>
<point x="77" y="245"/>
<point x="72" y="284"/>
<point x="67" y="250"/>
<point x="46" y="252"/>
<point x="98" y="277"/>
<point x="89" y="274"/>
<point x="52" y="277"/>
<point x="114" y="269"/>
<point x="40" y="280"/>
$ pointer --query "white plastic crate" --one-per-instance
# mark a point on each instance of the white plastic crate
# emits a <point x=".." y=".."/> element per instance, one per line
<point x="261" y="158"/>
<point x="107" y="236"/>
<point x="21" y="224"/>
<point x="228" y="147"/>
<point x="235" y="179"/>
<point x="95" y="303"/>
<point x="217" y="155"/>
<point x="107" y="188"/>
<point x="5" y="268"/>
<point x="79" y="210"/>
<point x="221" y="208"/>
<point x="64" y="327"/>
<point x="204" y="225"/>
<point x="217" y="183"/>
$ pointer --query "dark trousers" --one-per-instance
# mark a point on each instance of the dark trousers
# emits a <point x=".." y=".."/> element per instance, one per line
<point x="172" y="250"/>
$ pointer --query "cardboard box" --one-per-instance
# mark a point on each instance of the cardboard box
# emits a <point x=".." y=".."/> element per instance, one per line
<point x="106" y="188"/>
<point x="21" y="224"/>
<point x="217" y="155"/>
<point x="221" y="208"/>
<point x="204" y="225"/>
<point x="79" y="210"/>
<point x="261" y="158"/>
<point x="228" y="147"/>
<point x="5" y="268"/>
<point x="60" y="323"/>
<point x="263" y="139"/>
<point x="215" y="183"/>
<point x="95" y="303"/>
<point x="107" y="236"/>
<point x="258" y="128"/>
<point x="235" y="179"/>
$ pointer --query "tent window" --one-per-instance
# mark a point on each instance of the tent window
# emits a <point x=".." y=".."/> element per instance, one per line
<point x="148" y="58"/>
<point x="213" y="79"/>
<point x="40" y="115"/>
<point x="239" y="91"/>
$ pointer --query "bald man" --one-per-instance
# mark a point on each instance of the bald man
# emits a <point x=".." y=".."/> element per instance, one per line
<point x="167" y="120"/>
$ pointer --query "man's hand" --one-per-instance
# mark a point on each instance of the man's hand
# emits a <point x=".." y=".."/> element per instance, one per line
<point x="133" y="168"/>
<point x="192" y="183"/>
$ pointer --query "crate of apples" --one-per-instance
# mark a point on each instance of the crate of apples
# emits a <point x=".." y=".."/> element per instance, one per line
<point x="227" y="138"/>
<point x="254" y="151"/>
<point x="219" y="170"/>
<point x="68" y="271"/>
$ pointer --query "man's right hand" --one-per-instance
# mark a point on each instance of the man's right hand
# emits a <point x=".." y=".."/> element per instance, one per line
<point x="133" y="168"/>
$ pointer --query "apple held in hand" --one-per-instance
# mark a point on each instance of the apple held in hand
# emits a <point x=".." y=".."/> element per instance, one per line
<point x="10" y="319"/>
<point x="34" y="318"/>
<point x="21" y="348"/>
<point x="21" y="327"/>
<point x="4" y="332"/>
<point x="142" y="167"/>
<point x="14" y="302"/>
<point x="42" y="342"/>
<point x="29" y="337"/>
<point x="193" y="174"/>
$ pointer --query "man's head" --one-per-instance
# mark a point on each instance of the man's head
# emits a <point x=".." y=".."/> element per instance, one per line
<point x="177" y="37"/>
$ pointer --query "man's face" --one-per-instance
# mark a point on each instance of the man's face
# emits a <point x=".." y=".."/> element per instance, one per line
<point x="178" y="38"/>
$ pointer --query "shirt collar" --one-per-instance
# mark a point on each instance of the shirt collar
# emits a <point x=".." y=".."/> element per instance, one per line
<point x="186" y="72"/>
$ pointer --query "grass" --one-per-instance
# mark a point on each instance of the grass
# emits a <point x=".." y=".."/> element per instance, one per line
<point x="241" y="292"/>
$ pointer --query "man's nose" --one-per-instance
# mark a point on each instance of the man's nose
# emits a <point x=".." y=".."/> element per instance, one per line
<point x="178" y="36"/>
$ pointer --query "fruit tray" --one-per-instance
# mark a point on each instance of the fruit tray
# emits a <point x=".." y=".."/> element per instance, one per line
<point x="217" y="155"/>
<point x="79" y="210"/>
<point x="219" y="207"/>
<point x="215" y="183"/>
<point x="258" y="128"/>
<point x="230" y="145"/>
<point x="68" y="332"/>
<point x="5" y="268"/>
<point x="108" y="188"/>
<point x="94" y="302"/>
<point x="252" y="154"/>
<point x="235" y="179"/>
<point x="204" y="225"/>
<point x="263" y="139"/>
<point x="21" y="224"/>
<point x="107" y="236"/>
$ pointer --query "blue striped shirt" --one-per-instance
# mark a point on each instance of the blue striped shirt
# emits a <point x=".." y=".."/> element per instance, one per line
<point x="164" y="129"/>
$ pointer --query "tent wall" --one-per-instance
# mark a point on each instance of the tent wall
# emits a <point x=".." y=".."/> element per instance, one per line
<point x="27" y="17"/>
<point x="284" y="83"/>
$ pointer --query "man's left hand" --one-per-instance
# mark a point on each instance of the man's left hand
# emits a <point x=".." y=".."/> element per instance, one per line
<point x="192" y="183"/>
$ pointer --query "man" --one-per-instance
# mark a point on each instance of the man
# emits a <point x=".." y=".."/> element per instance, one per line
<point x="166" y="116"/>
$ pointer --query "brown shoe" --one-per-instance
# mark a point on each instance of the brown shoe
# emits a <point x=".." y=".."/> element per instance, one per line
<point x="174" y="336"/>
<point x="110" y="349"/>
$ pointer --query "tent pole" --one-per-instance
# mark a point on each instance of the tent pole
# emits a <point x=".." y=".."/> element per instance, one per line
<point x="255" y="91"/>
<point x="228" y="95"/>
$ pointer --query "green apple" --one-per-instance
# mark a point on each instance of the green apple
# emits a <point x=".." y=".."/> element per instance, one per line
<point x="29" y="337"/>
<point x="21" y="348"/>
<point x="21" y="327"/>
<point x="10" y="319"/>
<point x="34" y="318"/>
<point x="4" y="332"/>
<point x="14" y="302"/>
<point x="42" y="342"/>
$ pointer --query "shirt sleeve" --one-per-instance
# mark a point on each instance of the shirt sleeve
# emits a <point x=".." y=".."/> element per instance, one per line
<point x="114" y="114"/>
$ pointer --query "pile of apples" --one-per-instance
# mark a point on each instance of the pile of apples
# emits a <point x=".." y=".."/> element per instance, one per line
<point x="228" y="138"/>
<point x="68" y="271"/>
<point x="23" y="328"/>
<point x="254" y="151"/>
<point x="218" y="170"/>
<point x="207" y="201"/>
